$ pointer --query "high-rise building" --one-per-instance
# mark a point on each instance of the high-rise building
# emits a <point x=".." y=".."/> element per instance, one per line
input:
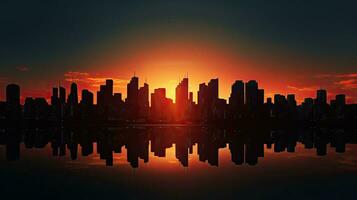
<point x="321" y="96"/>
<point x="237" y="94"/>
<point x="207" y="98"/>
<point x="62" y="95"/>
<point x="54" y="97"/>
<point x="159" y="104"/>
<point x="73" y="96"/>
<point x="13" y="106"/>
<point x="143" y="101"/>
<point x="109" y="86"/>
<point x="212" y="90"/>
<point x="202" y="96"/>
<point x="131" y="102"/>
<point x="117" y="99"/>
<point x="132" y="90"/>
<point x="291" y="100"/>
<point x="13" y="94"/>
<point x="29" y="108"/>
<point x="308" y="101"/>
<point x="182" y="99"/>
<point x="279" y="99"/>
<point x="260" y="96"/>
<point x="190" y="97"/>
<point x="87" y="98"/>
<point x="251" y="89"/>
<point x="340" y="99"/>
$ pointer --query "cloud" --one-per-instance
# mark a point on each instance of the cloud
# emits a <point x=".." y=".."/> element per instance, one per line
<point x="93" y="80"/>
<point x="303" y="89"/>
<point x="348" y="75"/>
<point x="22" y="68"/>
<point x="346" y="81"/>
<point x="348" y="84"/>
<point x="334" y="83"/>
<point x="351" y="75"/>
<point x="76" y="75"/>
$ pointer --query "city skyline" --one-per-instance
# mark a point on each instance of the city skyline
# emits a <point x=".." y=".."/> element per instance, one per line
<point x="247" y="102"/>
<point x="239" y="89"/>
<point x="120" y="86"/>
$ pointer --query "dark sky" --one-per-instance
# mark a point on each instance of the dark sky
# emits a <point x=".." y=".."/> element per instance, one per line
<point x="50" y="37"/>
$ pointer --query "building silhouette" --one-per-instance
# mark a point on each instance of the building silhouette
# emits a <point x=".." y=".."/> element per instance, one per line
<point x="181" y="100"/>
<point x="236" y="98"/>
<point x="143" y="101"/>
<point x="251" y="89"/>
<point x="246" y="105"/>
<point x="13" y="107"/>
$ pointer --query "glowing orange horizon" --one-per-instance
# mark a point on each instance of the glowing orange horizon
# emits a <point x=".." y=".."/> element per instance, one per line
<point x="164" y="62"/>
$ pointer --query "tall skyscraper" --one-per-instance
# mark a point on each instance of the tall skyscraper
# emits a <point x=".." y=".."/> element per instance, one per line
<point x="13" y="94"/>
<point x="13" y="102"/>
<point x="251" y="89"/>
<point x="182" y="99"/>
<point x="321" y="96"/>
<point x="202" y="95"/>
<point x="109" y="85"/>
<point x="213" y="90"/>
<point x="237" y="94"/>
<point x="54" y="97"/>
<point x="132" y="90"/>
<point x="131" y="102"/>
<point x="62" y="95"/>
<point x="190" y="97"/>
<point x="143" y="98"/>
<point x="260" y="96"/>
<point x="207" y="98"/>
<point x="73" y="96"/>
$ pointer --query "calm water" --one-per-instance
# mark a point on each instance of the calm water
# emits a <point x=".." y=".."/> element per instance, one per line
<point x="178" y="163"/>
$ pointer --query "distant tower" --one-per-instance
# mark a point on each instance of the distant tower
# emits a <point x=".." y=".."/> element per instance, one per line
<point x="73" y="96"/>
<point x="13" y="94"/>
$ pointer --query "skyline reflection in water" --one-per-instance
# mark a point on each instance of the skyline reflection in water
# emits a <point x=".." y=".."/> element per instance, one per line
<point x="184" y="161"/>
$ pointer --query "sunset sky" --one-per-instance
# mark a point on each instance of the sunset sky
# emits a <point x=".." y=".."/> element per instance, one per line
<point x="287" y="46"/>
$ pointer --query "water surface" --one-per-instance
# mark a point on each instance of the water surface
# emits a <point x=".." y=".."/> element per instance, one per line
<point x="178" y="163"/>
